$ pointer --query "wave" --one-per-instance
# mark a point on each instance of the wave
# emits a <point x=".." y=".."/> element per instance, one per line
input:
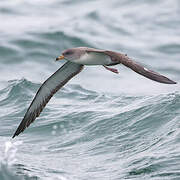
<point x="142" y="131"/>
<point x="8" y="160"/>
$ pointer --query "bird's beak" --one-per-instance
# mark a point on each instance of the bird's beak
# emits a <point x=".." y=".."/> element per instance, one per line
<point x="59" y="58"/>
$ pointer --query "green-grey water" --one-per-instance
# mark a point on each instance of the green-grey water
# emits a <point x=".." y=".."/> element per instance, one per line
<point x="101" y="125"/>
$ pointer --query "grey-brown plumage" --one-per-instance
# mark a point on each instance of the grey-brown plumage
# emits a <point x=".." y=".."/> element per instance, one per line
<point x="46" y="91"/>
<point x="125" y="60"/>
<point x="77" y="58"/>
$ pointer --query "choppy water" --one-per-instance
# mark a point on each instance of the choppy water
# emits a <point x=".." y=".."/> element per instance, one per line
<point x="100" y="125"/>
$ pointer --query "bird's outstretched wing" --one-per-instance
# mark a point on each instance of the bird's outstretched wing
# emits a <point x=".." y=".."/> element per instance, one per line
<point x="125" y="60"/>
<point x="46" y="91"/>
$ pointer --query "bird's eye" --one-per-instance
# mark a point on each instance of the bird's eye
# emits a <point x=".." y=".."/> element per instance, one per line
<point x="68" y="53"/>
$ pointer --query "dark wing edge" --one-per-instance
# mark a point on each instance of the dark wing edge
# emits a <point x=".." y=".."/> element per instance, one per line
<point x="125" y="60"/>
<point x="46" y="91"/>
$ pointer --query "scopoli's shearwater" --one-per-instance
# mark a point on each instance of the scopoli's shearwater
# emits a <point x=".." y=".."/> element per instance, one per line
<point x="77" y="58"/>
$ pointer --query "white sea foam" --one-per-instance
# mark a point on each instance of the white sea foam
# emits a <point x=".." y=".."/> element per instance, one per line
<point x="10" y="151"/>
<point x="8" y="159"/>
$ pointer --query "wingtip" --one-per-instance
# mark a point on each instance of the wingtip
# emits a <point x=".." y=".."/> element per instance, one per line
<point x="171" y="82"/>
<point x="164" y="79"/>
<point x="15" y="134"/>
<point x="18" y="131"/>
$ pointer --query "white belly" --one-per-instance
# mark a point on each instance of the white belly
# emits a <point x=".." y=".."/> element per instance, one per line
<point x="94" y="59"/>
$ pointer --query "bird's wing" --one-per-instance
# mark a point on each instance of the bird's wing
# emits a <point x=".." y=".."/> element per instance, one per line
<point x="125" y="60"/>
<point x="46" y="91"/>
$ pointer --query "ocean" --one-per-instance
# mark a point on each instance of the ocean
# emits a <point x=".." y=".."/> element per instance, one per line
<point x="100" y="125"/>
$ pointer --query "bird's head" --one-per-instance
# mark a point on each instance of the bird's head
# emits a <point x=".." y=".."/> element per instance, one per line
<point x="72" y="54"/>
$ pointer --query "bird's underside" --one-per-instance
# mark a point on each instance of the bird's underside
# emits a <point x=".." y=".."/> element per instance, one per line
<point x="69" y="70"/>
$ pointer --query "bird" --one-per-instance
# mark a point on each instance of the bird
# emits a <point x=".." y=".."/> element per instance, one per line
<point x="76" y="59"/>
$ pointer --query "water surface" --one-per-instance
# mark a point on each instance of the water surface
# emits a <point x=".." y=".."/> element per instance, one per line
<point x="100" y="125"/>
